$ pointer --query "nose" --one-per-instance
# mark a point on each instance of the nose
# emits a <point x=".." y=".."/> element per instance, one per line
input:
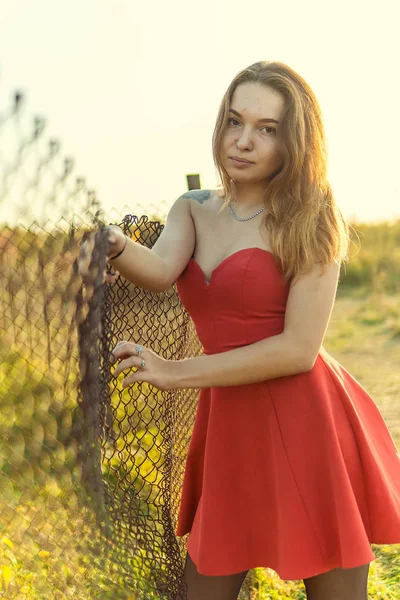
<point x="244" y="140"/>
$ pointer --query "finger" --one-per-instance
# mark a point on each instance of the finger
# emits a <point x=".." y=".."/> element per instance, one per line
<point x="128" y="363"/>
<point x="85" y="256"/>
<point x="110" y="278"/>
<point x="83" y="265"/>
<point x="87" y="246"/>
<point x="122" y="350"/>
<point x="126" y="343"/>
<point x="130" y="380"/>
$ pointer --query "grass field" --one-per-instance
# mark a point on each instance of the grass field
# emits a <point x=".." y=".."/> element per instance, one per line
<point x="363" y="336"/>
<point x="43" y="530"/>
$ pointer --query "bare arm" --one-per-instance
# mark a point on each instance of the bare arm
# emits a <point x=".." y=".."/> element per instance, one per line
<point x="295" y="350"/>
<point x="157" y="268"/>
<point x="141" y="266"/>
<point x="275" y="356"/>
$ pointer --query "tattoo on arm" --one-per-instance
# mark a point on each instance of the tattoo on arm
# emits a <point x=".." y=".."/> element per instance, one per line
<point x="199" y="195"/>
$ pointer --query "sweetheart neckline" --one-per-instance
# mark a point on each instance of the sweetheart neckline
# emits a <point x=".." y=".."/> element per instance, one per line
<point x="208" y="281"/>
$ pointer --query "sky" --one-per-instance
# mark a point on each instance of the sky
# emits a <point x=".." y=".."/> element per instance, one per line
<point x="132" y="90"/>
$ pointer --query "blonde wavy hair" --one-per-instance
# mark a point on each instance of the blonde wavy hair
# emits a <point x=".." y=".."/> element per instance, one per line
<point x="304" y="224"/>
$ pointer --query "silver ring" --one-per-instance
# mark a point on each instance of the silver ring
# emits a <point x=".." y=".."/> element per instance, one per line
<point x="139" y="349"/>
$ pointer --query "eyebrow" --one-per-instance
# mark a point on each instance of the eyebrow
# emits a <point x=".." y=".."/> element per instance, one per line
<point x="235" y="112"/>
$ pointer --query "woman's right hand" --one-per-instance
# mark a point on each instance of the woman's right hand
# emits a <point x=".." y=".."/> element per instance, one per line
<point x="116" y="239"/>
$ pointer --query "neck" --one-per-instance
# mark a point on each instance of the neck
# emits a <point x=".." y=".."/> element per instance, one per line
<point x="250" y="197"/>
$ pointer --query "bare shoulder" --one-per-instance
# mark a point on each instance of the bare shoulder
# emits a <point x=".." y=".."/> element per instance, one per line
<point x="200" y="200"/>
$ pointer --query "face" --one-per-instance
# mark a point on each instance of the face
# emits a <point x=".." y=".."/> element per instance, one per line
<point x="248" y="136"/>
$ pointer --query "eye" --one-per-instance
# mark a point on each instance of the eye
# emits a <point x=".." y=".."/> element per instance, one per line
<point x="271" y="129"/>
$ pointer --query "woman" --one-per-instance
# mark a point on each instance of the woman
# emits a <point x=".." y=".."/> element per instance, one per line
<point x="290" y="464"/>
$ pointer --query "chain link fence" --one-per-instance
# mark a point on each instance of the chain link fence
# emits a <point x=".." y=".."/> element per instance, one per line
<point x="90" y="474"/>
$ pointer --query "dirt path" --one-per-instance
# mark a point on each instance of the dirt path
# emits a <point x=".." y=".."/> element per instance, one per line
<point x="370" y="354"/>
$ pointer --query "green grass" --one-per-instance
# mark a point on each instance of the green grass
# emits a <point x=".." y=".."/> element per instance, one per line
<point x="47" y="540"/>
<point x="30" y="556"/>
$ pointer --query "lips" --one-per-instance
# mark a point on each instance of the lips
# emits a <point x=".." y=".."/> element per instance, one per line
<point x="241" y="159"/>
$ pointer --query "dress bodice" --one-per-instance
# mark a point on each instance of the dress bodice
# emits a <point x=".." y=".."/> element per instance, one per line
<point x="243" y="302"/>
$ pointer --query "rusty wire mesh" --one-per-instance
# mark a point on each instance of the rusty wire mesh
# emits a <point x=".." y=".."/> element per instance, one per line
<point x="91" y="475"/>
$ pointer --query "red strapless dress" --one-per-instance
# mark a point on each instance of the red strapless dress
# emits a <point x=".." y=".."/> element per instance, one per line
<point x="297" y="473"/>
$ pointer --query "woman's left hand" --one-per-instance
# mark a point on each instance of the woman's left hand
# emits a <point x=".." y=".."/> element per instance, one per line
<point x="157" y="370"/>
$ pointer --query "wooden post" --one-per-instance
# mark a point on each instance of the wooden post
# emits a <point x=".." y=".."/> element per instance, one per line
<point x="193" y="182"/>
